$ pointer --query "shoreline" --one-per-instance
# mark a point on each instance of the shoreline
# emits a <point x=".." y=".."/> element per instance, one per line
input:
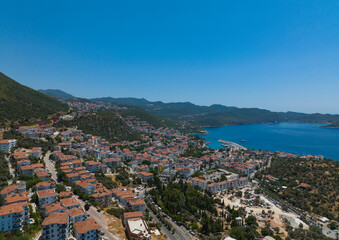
<point x="331" y="153"/>
<point x="328" y="125"/>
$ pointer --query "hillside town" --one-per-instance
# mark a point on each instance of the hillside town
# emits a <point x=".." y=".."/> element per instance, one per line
<point x="71" y="190"/>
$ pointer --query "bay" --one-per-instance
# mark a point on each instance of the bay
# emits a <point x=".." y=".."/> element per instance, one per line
<point x="297" y="138"/>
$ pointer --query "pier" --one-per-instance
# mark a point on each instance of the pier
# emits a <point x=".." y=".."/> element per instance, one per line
<point x="232" y="145"/>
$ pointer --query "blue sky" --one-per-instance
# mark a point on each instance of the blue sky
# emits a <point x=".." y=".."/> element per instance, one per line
<point x="278" y="55"/>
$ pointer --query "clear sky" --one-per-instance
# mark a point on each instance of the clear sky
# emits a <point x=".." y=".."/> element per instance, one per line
<point x="277" y="54"/>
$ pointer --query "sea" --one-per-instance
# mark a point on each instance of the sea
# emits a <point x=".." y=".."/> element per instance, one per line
<point x="297" y="138"/>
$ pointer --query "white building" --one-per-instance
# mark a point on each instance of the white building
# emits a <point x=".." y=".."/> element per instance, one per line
<point x="7" y="145"/>
<point x="137" y="229"/>
<point x="56" y="226"/>
<point x="87" y="230"/>
<point x="47" y="197"/>
<point x="202" y="183"/>
<point x="13" y="216"/>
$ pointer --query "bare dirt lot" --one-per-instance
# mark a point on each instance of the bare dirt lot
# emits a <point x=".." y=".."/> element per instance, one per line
<point x="274" y="217"/>
<point x="115" y="226"/>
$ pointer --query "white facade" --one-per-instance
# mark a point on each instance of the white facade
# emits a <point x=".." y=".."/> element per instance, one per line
<point x="47" y="199"/>
<point x="56" y="231"/>
<point x="13" y="216"/>
<point x="90" y="235"/>
<point x="7" y="145"/>
<point x="199" y="182"/>
<point x="56" y="226"/>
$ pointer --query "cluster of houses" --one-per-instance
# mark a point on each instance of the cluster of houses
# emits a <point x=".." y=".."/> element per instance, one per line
<point x="78" y="156"/>
<point x="81" y="177"/>
<point x="87" y="106"/>
<point x="24" y="165"/>
<point x="37" y="132"/>
<point x="64" y="213"/>
<point x="291" y="155"/>
<point x="215" y="187"/>
<point x="14" y="213"/>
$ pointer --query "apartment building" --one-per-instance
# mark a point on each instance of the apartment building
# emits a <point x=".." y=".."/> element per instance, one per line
<point x="13" y="216"/>
<point x="137" y="229"/>
<point x="92" y="166"/>
<point x="202" y="183"/>
<point x="47" y="197"/>
<point x="87" y="230"/>
<point x="145" y="176"/>
<point x="7" y="145"/>
<point x="56" y="226"/>
<point x="137" y="204"/>
<point x="12" y="189"/>
<point x="131" y="215"/>
<point x="103" y="197"/>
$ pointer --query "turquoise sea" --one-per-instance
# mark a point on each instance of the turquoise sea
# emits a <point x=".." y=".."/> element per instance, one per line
<point x="298" y="138"/>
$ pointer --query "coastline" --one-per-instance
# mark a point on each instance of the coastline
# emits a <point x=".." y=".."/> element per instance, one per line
<point x="328" y="125"/>
<point x="265" y="137"/>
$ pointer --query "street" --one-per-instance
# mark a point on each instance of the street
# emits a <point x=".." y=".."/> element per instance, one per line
<point x="37" y="236"/>
<point x="11" y="171"/>
<point x="182" y="233"/>
<point x="50" y="166"/>
<point x="163" y="229"/>
<point x="99" y="218"/>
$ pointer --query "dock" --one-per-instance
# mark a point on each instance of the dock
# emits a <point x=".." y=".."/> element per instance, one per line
<point x="232" y="145"/>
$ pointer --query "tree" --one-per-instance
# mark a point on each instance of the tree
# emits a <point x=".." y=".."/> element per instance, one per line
<point x="244" y="233"/>
<point x="277" y="230"/>
<point x="267" y="231"/>
<point x="239" y="194"/>
<point x="251" y="221"/>
<point x="60" y="188"/>
<point x="86" y="206"/>
<point x="332" y="226"/>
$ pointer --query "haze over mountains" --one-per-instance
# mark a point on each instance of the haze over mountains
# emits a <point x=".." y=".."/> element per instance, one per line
<point x="19" y="102"/>
<point x="214" y="115"/>
<point x="57" y="93"/>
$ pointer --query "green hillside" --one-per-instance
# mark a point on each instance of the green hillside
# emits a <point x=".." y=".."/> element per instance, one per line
<point x="219" y="115"/>
<point x="57" y="93"/>
<point x="21" y="103"/>
<point x="104" y="124"/>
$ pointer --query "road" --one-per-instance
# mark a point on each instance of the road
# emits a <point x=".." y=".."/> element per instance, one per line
<point x="163" y="229"/>
<point x="37" y="236"/>
<point x="51" y="167"/>
<point x="182" y="233"/>
<point x="99" y="218"/>
<point x="11" y="171"/>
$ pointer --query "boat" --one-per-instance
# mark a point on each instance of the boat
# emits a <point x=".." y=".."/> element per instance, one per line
<point x="242" y="140"/>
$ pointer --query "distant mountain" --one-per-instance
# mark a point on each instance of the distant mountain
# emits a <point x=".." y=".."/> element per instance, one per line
<point x="57" y="93"/>
<point x="21" y="103"/>
<point x="218" y="115"/>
